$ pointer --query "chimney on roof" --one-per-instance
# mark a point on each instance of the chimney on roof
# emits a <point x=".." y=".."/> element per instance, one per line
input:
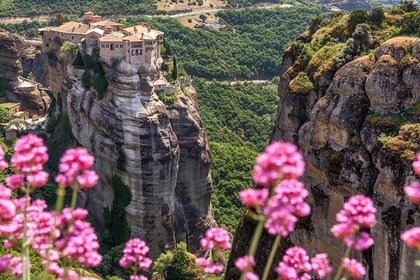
<point x="148" y="28"/>
<point x="80" y="25"/>
<point x="72" y="30"/>
<point x="142" y="35"/>
<point x="135" y="29"/>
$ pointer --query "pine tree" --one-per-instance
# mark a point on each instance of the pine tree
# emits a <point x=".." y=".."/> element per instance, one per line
<point x="174" y="69"/>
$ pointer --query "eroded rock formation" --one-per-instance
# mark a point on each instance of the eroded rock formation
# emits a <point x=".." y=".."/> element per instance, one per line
<point x="358" y="129"/>
<point x="12" y="50"/>
<point x="160" y="152"/>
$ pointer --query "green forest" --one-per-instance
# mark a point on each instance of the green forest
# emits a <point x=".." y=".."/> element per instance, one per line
<point x="238" y="120"/>
<point x="251" y="45"/>
<point x="74" y="7"/>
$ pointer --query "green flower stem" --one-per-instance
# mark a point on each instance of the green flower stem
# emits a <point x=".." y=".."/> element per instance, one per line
<point x="26" y="271"/>
<point x="74" y="196"/>
<point x="271" y="256"/>
<point x="59" y="203"/>
<point x="340" y="268"/>
<point x="254" y="243"/>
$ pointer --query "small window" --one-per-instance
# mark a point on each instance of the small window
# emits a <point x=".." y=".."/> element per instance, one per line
<point x="48" y="45"/>
<point x="141" y="52"/>
<point x="107" y="46"/>
<point x="116" y="46"/>
<point x="121" y="46"/>
<point x="72" y="37"/>
<point x="102" y="46"/>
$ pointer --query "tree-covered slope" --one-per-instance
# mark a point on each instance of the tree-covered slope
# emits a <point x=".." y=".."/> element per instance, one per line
<point x="251" y="44"/>
<point x="238" y="120"/>
<point x="75" y="7"/>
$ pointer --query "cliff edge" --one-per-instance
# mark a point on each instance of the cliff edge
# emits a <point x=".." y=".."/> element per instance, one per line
<point x="352" y="107"/>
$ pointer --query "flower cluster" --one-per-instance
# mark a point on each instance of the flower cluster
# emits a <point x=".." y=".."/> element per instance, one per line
<point x="358" y="213"/>
<point x="353" y="268"/>
<point x="30" y="155"/>
<point x="294" y="265"/>
<point x="284" y="208"/>
<point x="75" y="165"/>
<point x="135" y="257"/>
<point x="79" y="242"/>
<point x="411" y="237"/>
<point x="321" y="265"/>
<point x="279" y="161"/>
<point x="214" y="239"/>
<point x="246" y="264"/>
<point x="53" y="234"/>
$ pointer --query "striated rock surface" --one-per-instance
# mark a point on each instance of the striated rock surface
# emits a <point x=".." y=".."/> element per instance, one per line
<point x="358" y="134"/>
<point x="12" y="53"/>
<point x="11" y="47"/>
<point x="160" y="152"/>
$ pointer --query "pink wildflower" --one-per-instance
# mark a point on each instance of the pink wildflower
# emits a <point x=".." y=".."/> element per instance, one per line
<point x="38" y="179"/>
<point x="291" y="194"/>
<point x="245" y="263"/>
<point x="413" y="192"/>
<point x="251" y="276"/>
<point x="4" y="263"/>
<point x="30" y="154"/>
<point x="87" y="179"/>
<point x="362" y="242"/>
<point x="138" y="277"/>
<point x="280" y="222"/>
<point x="411" y="237"/>
<point x="203" y="262"/>
<point x="79" y="242"/>
<point x="416" y="164"/>
<point x="7" y="210"/>
<point x="358" y="212"/>
<point x="135" y="253"/>
<point x="214" y="268"/>
<point x="75" y="165"/>
<point x="253" y="197"/>
<point x="321" y="265"/>
<point x="3" y="163"/>
<point x="294" y="265"/>
<point x="216" y="238"/>
<point x="353" y="268"/>
<point x="279" y="161"/>
<point x="285" y="206"/>
<point x="15" y="181"/>
<point x="5" y="193"/>
<point x="16" y="266"/>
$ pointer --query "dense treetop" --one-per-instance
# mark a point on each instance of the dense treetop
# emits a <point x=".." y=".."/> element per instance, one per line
<point x="75" y="7"/>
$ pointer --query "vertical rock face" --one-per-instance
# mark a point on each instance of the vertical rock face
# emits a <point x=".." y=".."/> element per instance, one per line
<point x="11" y="47"/>
<point x="160" y="152"/>
<point x="357" y="136"/>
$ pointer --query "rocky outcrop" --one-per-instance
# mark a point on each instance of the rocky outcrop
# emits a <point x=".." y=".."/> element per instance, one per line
<point x="12" y="53"/>
<point x="357" y="136"/>
<point x="160" y="152"/>
<point x="11" y="47"/>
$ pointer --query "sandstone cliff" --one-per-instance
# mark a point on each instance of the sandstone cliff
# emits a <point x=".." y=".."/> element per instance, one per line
<point x="160" y="152"/>
<point x="12" y="50"/>
<point x="358" y="127"/>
